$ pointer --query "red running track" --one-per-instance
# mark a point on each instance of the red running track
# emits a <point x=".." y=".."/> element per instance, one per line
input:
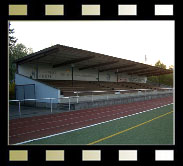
<point x="39" y="126"/>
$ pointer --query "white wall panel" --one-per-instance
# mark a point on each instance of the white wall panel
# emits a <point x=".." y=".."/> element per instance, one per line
<point x="65" y="73"/>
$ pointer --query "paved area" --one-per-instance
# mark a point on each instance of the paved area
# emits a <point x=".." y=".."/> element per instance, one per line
<point x="29" y="111"/>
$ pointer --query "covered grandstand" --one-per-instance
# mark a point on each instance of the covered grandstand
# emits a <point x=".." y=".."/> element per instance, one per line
<point x="111" y="96"/>
<point x="62" y="71"/>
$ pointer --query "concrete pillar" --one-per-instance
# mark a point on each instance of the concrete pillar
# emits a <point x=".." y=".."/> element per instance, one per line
<point x="117" y="75"/>
<point x="98" y="76"/>
<point x="72" y="67"/>
<point x="36" y="71"/>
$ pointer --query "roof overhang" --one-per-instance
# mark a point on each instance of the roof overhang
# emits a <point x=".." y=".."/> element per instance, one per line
<point x="59" y="55"/>
<point x="73" y="61"/>
<point x="98" y="65"/>
<point x="118" y="67"/>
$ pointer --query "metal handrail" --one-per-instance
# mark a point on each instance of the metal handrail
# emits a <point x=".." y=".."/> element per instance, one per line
<point x="77" y="92"/>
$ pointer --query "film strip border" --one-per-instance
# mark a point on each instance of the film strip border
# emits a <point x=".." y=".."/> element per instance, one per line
<point x="89" y="155"/>
<point x="117" y="10"/>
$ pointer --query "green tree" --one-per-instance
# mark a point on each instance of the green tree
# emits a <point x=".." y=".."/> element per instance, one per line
<point x="166" y="79"/>
<point x="12" y="39"/>
<point x="171" y="67"/>
<point x="159" y="64"/>
<point x="15" y="51"/>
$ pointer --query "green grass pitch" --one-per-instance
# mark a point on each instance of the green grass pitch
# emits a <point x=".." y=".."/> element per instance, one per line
<point x="158" y="131"/>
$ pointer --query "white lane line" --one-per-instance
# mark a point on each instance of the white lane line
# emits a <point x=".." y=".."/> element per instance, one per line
<point x="43" y="129"/>
<point x="34" y="131"/>
<point x="95" y="110"/>
<point x="83" y="116"/>
<point x="83" y="127"/>
<point x="88" y="111"/>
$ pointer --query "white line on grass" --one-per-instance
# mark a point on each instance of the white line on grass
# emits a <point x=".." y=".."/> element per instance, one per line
<point x="88" y="126"/>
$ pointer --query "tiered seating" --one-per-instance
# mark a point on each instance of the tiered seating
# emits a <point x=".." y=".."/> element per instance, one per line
<point x="67" y="88"/>
<point x="131" y="85"/>
<point x="111" y="85"/>
<point x="145" y="86"/>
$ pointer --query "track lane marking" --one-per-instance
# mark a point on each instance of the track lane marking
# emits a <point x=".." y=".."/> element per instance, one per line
<point x="60" y="120"/>
<point x="102" y="139"/>
<point x="68" y="131"/>
<point x="88" y="111"/>
<point x="86" y="120"/>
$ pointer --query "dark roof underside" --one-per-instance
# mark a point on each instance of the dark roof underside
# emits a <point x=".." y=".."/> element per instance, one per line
<point x="59" y="56"/>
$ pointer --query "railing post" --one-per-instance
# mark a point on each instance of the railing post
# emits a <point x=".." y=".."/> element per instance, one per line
<point x="69" y="104"/>
<point x="92" y="96"/>
<point x="145" y="94"/>
<point x="51" y="104"/>
<point x="77" y="97"/>
<point x="19" y="108"/>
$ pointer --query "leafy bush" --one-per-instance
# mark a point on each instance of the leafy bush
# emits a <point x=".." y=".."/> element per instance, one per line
<point x="11" y="90"/>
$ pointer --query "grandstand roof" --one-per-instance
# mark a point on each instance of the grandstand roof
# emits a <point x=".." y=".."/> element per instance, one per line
<point x="59" y="55"/>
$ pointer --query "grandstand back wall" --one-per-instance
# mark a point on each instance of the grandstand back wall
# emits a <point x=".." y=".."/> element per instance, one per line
<point x="65" y="73"/>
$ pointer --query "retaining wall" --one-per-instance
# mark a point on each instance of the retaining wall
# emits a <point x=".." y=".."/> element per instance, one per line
<point x="123" y="100"/>
<point x="100" y="103"/>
